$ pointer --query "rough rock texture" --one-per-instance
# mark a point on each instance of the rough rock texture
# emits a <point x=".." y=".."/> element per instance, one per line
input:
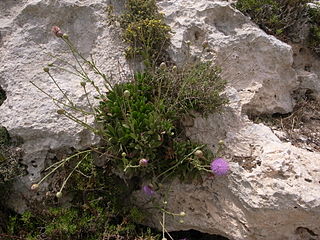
<point x="25" y="41"/>
<point x="273" y="189"/>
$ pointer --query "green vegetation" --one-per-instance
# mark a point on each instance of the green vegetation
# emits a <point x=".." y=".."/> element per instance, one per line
<point x="143" y="143"/>
<point x="142" y="119"/>
<point x="100" y="209"/>
<point x="144" y="31"/>
<point x="286" y="19"/>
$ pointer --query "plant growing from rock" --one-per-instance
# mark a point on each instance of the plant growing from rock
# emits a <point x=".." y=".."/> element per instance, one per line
<point x="144" y="31"/>
<point x="139" y="121"/>
<point x="287" y="19"/>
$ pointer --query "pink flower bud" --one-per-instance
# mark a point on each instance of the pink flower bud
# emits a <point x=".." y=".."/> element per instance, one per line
<point x="57" y="31"/>
<point x="143" y="162"/>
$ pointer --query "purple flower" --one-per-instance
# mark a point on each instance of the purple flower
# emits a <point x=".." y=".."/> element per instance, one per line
<point x="219" y="166"/>
<point x="143" y="162"/>
<point x="148" y="190"/>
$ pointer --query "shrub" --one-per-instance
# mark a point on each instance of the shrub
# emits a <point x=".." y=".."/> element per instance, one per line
<point x="285" y="18"/>
<point x="144" y="31"/>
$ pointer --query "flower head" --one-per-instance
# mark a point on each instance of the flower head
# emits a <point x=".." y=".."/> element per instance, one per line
<point x="59" y="194"/>
<point x="219" y="166"/>
<point x="143" y="162"/>
<point x="198" y="154"/>
<point x="57" y="31"/>
<point x="148" y="190"/>
<point x="34" y="186"/>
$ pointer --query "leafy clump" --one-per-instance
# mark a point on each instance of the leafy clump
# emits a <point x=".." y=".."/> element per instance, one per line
<point x="142" y="119"/>
<point x="99" y="209"/>
<point x="144" y="31"/>
<point x="314" y="36"/>
<point x="287" y="19"/>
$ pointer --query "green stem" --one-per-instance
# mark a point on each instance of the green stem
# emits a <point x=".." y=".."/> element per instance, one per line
<point x="70" y="174"/>
<point x="63" y="93"/>
<point x="60" y="102"/>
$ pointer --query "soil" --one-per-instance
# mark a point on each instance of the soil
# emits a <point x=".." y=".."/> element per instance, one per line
<point x="301" y="127"/>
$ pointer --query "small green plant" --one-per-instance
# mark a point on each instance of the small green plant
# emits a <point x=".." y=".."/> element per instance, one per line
<point x="141" y="119"/>
<point x="144" y="31"/>
<point x="314" y="35"/>
<point x="285" y="19"/>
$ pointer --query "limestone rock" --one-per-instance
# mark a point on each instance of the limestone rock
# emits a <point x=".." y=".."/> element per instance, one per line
<point x="25" y="43"/>
<point x="273" y="189"/>
<point x="215" y="30"/>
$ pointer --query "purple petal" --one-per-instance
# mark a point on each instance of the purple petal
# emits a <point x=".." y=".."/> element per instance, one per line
<point x="148" y="190"/>
<point x="219" y="166"/>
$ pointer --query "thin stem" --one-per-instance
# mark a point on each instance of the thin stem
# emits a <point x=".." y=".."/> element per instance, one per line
<point x="180" y="162"/>
<point x="82" y="123"/>
<point x="87" y="97"/>
<point x="163" y="223"/>
<point x="63" y="93"/>
<point x="62" y="103"/>
<point x="63" y="161"/>
<point x="78" y="164"/>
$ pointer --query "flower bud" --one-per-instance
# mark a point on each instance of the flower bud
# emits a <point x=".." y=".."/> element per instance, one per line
<point x="198" y="154"/>
<point x="221" y="142"/>
<point x="163" y="65"/>
<point x="143" y="162"/>
<point x="65" y="36"/>
<point x="126" y="93"/>
<point x="181" y="221"/>
<point x="83" y="84"/>
<point x="46" y="69"/>
<point x="34" y="186"/>
<point x="60" y="111"/>
<point x="59" y="194"/>
<point x="57" y="31"/>
<point x="123" y="154"/>
<point x="182" y="214"/>
<point x="174" y="68"/>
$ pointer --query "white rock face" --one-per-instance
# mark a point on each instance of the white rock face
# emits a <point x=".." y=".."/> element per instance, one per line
<point x="273" y="190"/>
<point x="25" y="41"/>
<point x="265" y="79"/>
